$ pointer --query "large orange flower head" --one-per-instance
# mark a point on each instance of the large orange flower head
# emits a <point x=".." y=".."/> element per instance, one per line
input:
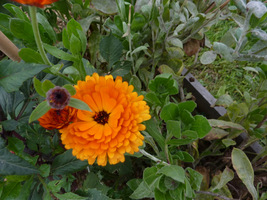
<point x="37" y="3"/>
<point x="113" y="126"/>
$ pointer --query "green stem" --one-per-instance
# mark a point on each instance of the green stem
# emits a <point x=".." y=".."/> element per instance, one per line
<point x="44" y="184"/>
<point x="33" y="11"/>
<point x="142" y="151"/>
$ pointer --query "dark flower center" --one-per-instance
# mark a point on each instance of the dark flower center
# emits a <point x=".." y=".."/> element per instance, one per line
<point x="101" y="117"/>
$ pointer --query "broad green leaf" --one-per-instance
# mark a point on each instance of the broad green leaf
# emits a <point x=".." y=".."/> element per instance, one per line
<point x="186" y="117"/>
<point x="13" y="74"/>
<point x="142" y="191"/>
<point x="174" y="128"/>
<point x="164" y="84"/>
<point x="11" y="190"/>
<point x="59" y="53"/>
<point x="70" y="89"/>
<point x="66" y="163"/>
<point x="173" y="171"/>
<point x="201" y="126"/>
<point x="21" y="29"/>
<point x="244" y="170"/>
<point x="121" y="69"/>
<point x="223" y="50"/>
<point x="83" y="40"/>
<point x="187" y="105"/>
<point x="134" y="183"/>
<point x="178" y="142"/>
<point x="111" y="49"/>
<point x="39" y="111"/>
<point x="184" y="156"/>
<point x="79" y="104"/>
<point x="169" y="112"/>
<point x="16" y="145"/>
<point x="95" y="194"/>
<point x="69" y="196"/>
<point x="47" y="85"/>
<point x="208" y="57"/>
<point x="153" y="129"/>
<point x="38" y="87"/>
<point x="159" y="195"/>
<point x="224" y="100"/>
<point x="9" y="125"/>
<point x="16" y="11"/>
<point x="189" y="192"/>
<point x="151" y="177"/>
<point x="138" y="22"/>
<point x="12" y="164"/>
<point x="45" y="170"/>
<point x="195" y="178"/>
<point x="30" y="56"/>
<point x="105" y="6"/>
<point x="226" y="176"/>
<point x="190" y="134"/>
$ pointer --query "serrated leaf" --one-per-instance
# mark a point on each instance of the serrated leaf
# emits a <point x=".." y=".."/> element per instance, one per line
<point x="244" y="170"/>
<point x="67" y="163"/>
<point x="13" y="74"/>
<point x="39" y="111"/>
<point x="79" y="104"/>
<point x="11" y="164"/>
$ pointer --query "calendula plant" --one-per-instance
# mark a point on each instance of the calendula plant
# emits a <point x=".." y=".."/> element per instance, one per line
<point x="96" y="108"/>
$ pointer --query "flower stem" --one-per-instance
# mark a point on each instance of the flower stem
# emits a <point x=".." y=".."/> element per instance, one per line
<point x="142" y="151"/>
<point x="33" y="11"/>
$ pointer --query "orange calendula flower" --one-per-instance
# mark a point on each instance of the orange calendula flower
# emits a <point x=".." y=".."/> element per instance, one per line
<point x="113" y="127"/>
<point x="58" y="118"/>
<point x="37" y="3"/>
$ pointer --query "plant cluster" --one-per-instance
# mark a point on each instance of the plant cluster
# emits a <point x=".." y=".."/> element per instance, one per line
<point x="92" y="103"/>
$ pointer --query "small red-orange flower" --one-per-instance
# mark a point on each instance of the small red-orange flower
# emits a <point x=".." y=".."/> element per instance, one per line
<point x="113" y="126"/>
<point x="37" y="3"/>
<point x="58" y="118"/>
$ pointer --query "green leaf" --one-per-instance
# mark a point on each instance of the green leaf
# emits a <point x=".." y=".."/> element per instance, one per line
<point x="121" y="69"/>
<point x="224" y="50"/>
<point x="184" y="156"/>
<point x="16" y="11"/>
<point x="244" y="170"/>
<point x="208" y="57"/>
<point x="30" y="56"/>
<point x="47" y="85"/>
<point x="11" y="190"/>
<point x="164" y="84"/>
<point x="151" y="177"/>
<point x="12" y="164"/>
<point x="59" y="53"/>
<point x="67" y="163"/>
<point x="69" y="196"/>
<point x="111" y="49"/>
<point x="187" y="105"/>
<point x="153" y="129"/>
<point x="105" y="6"/>
<point x="95" y="194"/>
<point x="13" y="74"/>
<point x="79" y="104"/>
<point x="9" y="125"/>
<point x="169" y="112"/>
<point x="47" y="27"/>
<point x="139" y="21"/>
<point x="179" y="142"/>
<point x="75" y="45"/>
<point x="201" y="126"/>
<point x="16" y="145"/>
<point x="226" y="176"/>
<point x="39" y="111"/>
<point x="174" y="128"/>
<point x="159" y="195"/>
<point x="21" y="29"/>
<point x="38" y="87"/>
<point x="195" y="178"/>
<point x="70" y="89"/>
<point x="45" y="170"/>
<point x="257" y="8"/>
<point x="224" y="100"/>
<point x="142" y="191"/>
<point x="173" y="171"/>
<point x="225" y="124"/>
<point x="228" y="142"/>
